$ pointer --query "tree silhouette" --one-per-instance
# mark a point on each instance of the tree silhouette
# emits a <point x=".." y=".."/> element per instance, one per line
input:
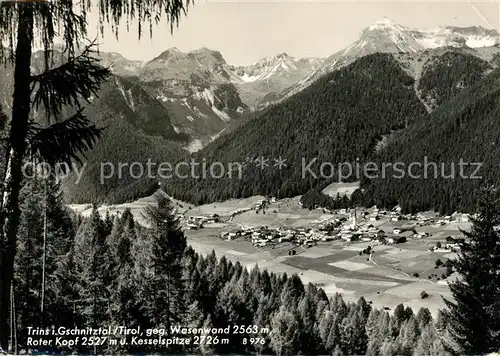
<point x="473" y="315"/>
<point x="24" y="25"/>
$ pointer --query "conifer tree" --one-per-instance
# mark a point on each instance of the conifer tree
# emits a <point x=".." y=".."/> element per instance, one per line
<point x="263" y="320"/>
<point x="424" y="317"/>
<point x="91" y="267"/>
<point x="166" y="288"/>
<point x="429" y="342"/>
<point x="472" y="320"/>
<point x="372" y="331"/>
<point x="205" y="347"/>
<point x="285" y="332"/>
<point x="325" y="324"/>
<point x="28" y="275"/>
<point x="307" y="312"/>
<point x="408" y="337"/>
<point x="108" y="224"/>
<point x="24" y="25"/>
<point x="124" y="305"/>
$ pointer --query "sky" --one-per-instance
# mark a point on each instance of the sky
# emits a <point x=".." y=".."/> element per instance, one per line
<point x="246" y="31"/>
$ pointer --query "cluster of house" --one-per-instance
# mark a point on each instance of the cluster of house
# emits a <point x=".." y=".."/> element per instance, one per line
<point x="351" y="230"/>
<point x="264" y="236"/>
<point x="331" y="230"/>
<point x="263" y="203"/>
<point x="197" y="222"/>
<point x="422" y="219"/>
<point x="369" y="232"/>
<point x="452" y="244"/>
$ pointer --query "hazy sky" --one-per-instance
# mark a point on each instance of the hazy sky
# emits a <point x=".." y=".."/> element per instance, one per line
<point x="246" y="31"/>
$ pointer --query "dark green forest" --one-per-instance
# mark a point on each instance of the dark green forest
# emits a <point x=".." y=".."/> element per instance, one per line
<point x="447" y="75"/>
<point x="338" y="119"/>
<point x="345" y="115"/>
<point x="110" y="271"/>
<point x="132" y="133"/>
<point x="466" y="128"/>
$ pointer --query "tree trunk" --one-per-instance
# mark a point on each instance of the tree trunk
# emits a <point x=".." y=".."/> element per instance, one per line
<point x="9" y="221"/>
<point x="44" y="255"/>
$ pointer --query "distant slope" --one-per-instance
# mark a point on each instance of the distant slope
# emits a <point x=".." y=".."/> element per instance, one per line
<point x="203" y="94"/>
<point x="271" y="75"/>
<point x="339" y="118"/>
<point x="198" y="90"/>
<point x="467" y="128"/>
<point x="137" y="129"/>
<point x="445" y="76"/>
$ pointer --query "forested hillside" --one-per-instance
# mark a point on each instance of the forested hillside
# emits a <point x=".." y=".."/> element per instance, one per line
<point x="447" y="75"/>
<point x="338" y="119"/>
<point x="136" y="128"/>
<point x="347" y="114"/>
<point x="367" y="111"/>
<point x="464" y="128"/>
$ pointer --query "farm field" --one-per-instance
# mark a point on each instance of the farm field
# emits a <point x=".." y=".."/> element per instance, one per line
<point x="338" y="269"/>
<point x="391" y="275"/>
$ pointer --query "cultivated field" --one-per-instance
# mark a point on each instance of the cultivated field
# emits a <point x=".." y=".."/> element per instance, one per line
<point x="392" y="274"/>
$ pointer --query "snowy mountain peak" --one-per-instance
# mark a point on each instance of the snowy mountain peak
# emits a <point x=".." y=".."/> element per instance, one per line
<point x="387" y="26"/>
<point x="168" y="55"/>
<point x="385" y="23"/>
<point x="171" y="51"/>
<point x="388" y="36"/>
<point x="280" y="64"/>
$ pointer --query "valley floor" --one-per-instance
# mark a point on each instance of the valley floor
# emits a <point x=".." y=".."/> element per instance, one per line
<point x="391" y="275"/>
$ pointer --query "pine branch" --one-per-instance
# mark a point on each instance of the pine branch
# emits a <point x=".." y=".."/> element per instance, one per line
<point x="69" y="84"/>
<point x="4" y="119"/>
<point x="64" y="141"/>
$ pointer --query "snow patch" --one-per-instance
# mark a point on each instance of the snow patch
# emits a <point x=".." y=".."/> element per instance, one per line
<point x="428" y="42"/>
<point x="217" y="135"/>
<point x="249" y="79"/>
<point x="194" y="146"/>
<point x="190" y="118"/>
<point x="477" y="42"/>
<point x="205" y="95"/>
<point x="126" y="95"/>
<point x="164" y="99"/>
<point x="131" y="99"/>
<point x="185" y="103"/>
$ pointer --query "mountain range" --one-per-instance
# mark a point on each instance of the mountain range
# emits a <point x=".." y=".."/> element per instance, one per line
<point x="206" y="96"/>
<point x="372" y="110"/>
<point x="387" y="36"/>
<point x="178" y="105"/>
